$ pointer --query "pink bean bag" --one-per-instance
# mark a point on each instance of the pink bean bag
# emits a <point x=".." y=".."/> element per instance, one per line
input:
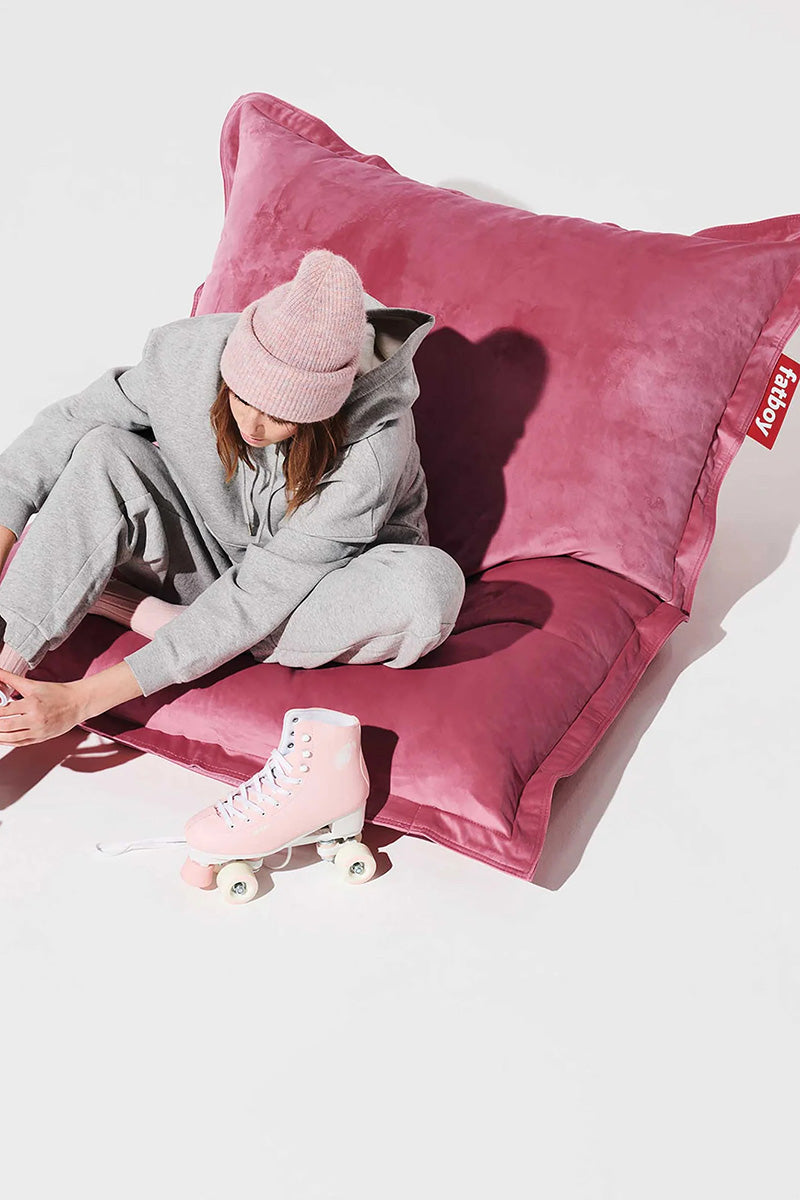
<point x="583" y="394"/>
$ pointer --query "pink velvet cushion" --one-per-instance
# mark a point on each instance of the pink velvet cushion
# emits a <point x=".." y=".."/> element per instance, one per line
<point x="582" y="396"/>
<point x="465" y="746"/>
<point x="583" y="381"/>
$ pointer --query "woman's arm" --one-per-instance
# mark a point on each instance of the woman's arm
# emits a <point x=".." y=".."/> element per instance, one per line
<point x="46" y="710"/>
<point x="97" y="693"/>
<point x="255" y="594"/>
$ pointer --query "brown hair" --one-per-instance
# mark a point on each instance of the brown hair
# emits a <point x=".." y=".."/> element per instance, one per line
<point x="308" y="453"/>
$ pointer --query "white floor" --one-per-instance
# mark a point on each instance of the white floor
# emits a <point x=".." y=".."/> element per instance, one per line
<point x="624" y="1027"/>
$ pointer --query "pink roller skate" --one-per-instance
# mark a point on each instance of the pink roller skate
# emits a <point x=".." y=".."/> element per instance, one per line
<point x="312" y="788"/>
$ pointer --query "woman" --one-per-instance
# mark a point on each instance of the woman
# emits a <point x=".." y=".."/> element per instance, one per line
<point x="145" y="513"/>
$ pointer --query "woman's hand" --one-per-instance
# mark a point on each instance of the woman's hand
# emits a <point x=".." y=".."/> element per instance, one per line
<point x="46" y="710"/>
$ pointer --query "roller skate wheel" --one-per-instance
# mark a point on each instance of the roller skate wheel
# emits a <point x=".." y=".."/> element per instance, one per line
<point x="237" y="882"/>
<point x="354" y="862"/>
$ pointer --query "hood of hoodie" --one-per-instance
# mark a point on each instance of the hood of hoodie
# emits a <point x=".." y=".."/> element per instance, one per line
<point x="385" y="383"/>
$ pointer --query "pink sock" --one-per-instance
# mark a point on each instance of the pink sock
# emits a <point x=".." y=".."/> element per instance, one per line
<point x="151" y="613"/>
<point x="129" y="606"/>
<point x="118" y="601"/>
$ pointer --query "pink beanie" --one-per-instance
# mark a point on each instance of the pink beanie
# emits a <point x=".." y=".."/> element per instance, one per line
<point x="293" y="353"/>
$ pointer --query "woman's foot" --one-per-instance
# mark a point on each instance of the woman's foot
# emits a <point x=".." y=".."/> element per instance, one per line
<point x="133" y="608"/>
<point x="152" y="613"/>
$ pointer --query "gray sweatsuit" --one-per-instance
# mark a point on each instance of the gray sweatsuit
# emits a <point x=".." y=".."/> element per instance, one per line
<point x="125" y="478"/>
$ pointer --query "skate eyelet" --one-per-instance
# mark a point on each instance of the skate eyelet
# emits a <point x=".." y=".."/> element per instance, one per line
<point x="295" y="719"/>
<point x="306" y="737"/>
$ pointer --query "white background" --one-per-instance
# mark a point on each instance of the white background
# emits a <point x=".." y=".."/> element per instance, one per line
<point x="626" y="1027"/>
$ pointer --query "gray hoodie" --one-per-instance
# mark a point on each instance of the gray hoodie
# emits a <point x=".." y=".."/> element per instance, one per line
<point x="375" y="491"/>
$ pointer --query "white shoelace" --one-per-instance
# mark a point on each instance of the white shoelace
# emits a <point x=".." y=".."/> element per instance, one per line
<point x="144" y="844"/>
<point x="276" y="764"/>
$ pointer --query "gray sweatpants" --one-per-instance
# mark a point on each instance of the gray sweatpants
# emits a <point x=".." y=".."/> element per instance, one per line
<point x="119" y="510"/>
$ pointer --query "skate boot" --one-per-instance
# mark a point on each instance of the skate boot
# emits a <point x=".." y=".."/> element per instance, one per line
<point x="312" y="788"/>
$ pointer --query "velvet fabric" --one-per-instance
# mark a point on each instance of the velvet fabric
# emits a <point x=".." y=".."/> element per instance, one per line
<point x="583" y="394"/>
<point x="575" y="385"/>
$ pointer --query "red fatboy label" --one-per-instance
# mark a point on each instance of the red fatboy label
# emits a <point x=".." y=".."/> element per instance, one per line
<point x="778" y="395"/>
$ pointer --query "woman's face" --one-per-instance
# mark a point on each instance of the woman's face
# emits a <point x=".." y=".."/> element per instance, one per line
<point x="255" y="426"/>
